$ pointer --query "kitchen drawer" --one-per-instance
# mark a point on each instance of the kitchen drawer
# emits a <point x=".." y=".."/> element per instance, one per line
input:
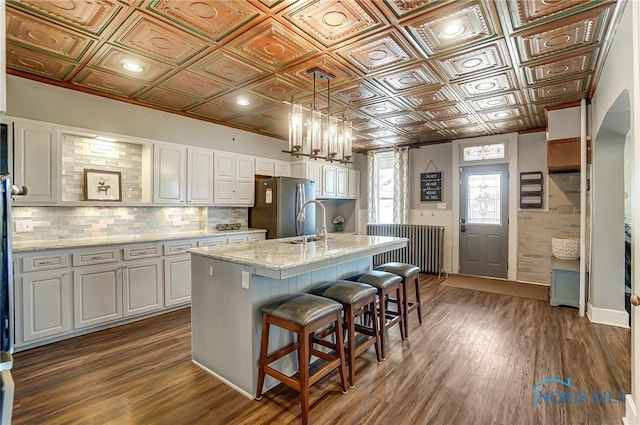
<point x="96" y="257"/>
<point x="237" y="239"/>
<point x="142" y="252"/>
<point x="178" y="248"/>
<point x="45" y="262"/>
<point x="254" y="238"/>
<point x="213" y="242"/>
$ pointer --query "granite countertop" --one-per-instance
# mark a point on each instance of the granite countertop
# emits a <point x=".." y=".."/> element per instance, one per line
<point x="280" y="258"/>
<point x="76" y="242"/>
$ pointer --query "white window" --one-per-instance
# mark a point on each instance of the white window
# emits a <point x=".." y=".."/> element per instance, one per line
<point x="484" y="152"/>
<point x="385" y="174"/>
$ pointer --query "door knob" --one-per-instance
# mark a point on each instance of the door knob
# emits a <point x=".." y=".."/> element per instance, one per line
<point x="635" y="300"/>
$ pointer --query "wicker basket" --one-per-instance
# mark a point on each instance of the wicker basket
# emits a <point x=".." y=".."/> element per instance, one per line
<point x="566" y="248"/>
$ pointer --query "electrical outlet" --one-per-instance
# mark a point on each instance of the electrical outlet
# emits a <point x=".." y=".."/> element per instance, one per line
<point x="177" y="221"/>
<point x="24" y="226"/>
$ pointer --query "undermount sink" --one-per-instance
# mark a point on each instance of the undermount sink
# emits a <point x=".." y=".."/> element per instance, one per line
<point x="301" y="240"/>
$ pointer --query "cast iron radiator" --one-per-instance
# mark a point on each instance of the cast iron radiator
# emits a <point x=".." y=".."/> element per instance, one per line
<point x="425" y="248"/>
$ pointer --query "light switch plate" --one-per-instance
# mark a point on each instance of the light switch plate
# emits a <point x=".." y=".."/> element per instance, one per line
<point x="24" y="226"/>
<point x="442" y="205"/>
<point x="177" y="221"/>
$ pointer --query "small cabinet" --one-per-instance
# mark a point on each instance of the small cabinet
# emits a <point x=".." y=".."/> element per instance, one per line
<point x="265" y="167"/>
<point x="342" y="183"/>
<point x="282" y="168"/>
<point x="177" y="280"/>
<point x="354" y="183"/>
<point x="97" y="295"/>
<point x="142" y="286"/>
<point x="565" y="282"/>
<point x="234" y="179"/>
<point x="46" y="305"/>
<point x="169" y="173"/>
<point x="329" y="181"/>
<point x="199" y="176"/>
<point x="36" y="162"/>
<point x="563" y="155"/>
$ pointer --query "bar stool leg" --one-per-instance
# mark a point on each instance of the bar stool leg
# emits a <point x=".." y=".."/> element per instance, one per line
<point x="401" y="314"/>
<point x="351" y="334"/>
<point x="303" y="359"/>
<point x="264" y="343"/>
<point x="383" y="319"/>
<point x="405" y="307"/>
<point x="418" y="301"/>
<point x="340" y="350"/>
<point x="374" y="318"/>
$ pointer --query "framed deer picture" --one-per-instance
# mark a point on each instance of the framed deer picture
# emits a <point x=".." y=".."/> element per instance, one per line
<point x="102" y="185"/>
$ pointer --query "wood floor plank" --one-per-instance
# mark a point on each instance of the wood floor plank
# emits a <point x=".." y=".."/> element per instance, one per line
<point x="474" y="360"/>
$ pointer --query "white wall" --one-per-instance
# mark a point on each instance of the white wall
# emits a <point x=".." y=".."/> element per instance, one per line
<point x="43" y="102"/>
<point x="563" y="123"/>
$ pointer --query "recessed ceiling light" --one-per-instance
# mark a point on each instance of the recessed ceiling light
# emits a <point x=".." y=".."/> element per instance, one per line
<point x="106" y="139"/>
<point x="132" y="66"/>
<point x="452" y="30"/>
<point x="243" y="102"/>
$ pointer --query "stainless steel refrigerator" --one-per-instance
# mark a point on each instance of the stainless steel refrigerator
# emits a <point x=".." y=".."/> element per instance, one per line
<point x="277" y="202"/>
<point x="6" y="285"/>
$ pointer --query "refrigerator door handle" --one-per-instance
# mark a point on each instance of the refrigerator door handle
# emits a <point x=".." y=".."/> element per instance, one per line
<point x="6" y="200"/>
<point x="300" y="200"/>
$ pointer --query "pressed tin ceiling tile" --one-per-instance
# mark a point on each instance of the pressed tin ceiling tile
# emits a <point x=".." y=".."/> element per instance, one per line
<point x="276" y="88"/>
<point x="380" y="108"/>
<point x="110" y="83"/>
<point x="503" y="114"/>
<point x="487" y="85"/>
<point x="214" y="111"/>
<point x="112" y="59"/>
<point x="342" y="73"/>
<point x="487" y="58"/>
<point x="412" y="78"/>
<point x="560" y="67"/>
<point x="493" y="102"/>
<point x="167" y="98"/>
<point x="271" y="45"/>
<point x="580" y="30"/>
<point x="91" y="16"/>
<point x="212" y="19"/>
<point x="32" y="32"/>
<point x="460" y="24"/>
<point x="194" y="85"/>
<point x="331" y="22"/>
<point x="226" y="68"/>
<point x="37" y="63"/>
<point x="574" y="89"/>
<point x="527" y="12"/>
<point x="403" y="8"/>
<point x="357" y="92"/>
<point x="148" y="36"/>
<point x="379" y="52"/>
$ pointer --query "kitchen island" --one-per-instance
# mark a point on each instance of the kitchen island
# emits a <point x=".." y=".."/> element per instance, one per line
<point x="229" y="285"/>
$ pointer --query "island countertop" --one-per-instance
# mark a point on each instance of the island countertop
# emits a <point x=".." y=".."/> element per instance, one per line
<point x="279" y="258"/>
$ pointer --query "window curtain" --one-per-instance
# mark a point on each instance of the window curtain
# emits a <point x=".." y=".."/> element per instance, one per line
<point x="372" y="188"/>
<point x="401" y="185"/>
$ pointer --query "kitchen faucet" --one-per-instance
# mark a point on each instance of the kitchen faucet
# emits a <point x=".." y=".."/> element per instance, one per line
<point x="323" y="230"/>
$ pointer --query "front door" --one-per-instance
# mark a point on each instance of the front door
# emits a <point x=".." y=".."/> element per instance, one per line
<point x="484" y="220"/>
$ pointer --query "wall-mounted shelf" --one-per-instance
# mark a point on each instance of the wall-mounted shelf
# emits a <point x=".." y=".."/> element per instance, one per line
<point x="531" y="190"/>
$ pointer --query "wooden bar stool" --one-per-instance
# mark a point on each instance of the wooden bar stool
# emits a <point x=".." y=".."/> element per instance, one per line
<point x="354" y="297"/>
<point x="385" y="284"/>
<point x="408" y="273"/>
<point x="302" y="314"/>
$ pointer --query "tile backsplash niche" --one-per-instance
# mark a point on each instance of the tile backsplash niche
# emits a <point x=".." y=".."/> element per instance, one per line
<point x="537" y="227"/>
<point x="80" y="153"/>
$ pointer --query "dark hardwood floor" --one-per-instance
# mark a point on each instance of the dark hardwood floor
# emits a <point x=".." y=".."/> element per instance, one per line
<point x="473" y="361"/>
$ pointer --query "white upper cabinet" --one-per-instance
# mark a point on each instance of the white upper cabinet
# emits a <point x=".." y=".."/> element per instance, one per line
<point x="354" y="183"/>
<point x="36" y="161"/>
<point x="234" y="179"/>
<point x="282" y="168"/>
<point x="265" y="166"/>
<point x="169" y="173"/>
<point x="199" y="176"/>
<point x="329" y="181"/>
<point x="342" y="184"/>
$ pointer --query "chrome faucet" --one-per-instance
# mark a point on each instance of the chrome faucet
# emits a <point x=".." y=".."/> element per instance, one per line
<point x="300" y="217"/>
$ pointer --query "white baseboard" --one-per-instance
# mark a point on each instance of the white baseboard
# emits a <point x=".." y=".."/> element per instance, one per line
<point x="631" y="414"/>
<point x="605" y="316"/>
<point x="235" y="387"/>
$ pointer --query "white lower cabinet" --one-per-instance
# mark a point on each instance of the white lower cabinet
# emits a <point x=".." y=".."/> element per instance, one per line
<point x="142" y="285"/>
<point x="46" y="305"/>
<point x="177" y="280"/>
<point x="97" y="295"/>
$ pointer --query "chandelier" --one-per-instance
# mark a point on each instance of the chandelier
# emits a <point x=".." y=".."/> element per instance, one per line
<point x="317" y="135"/>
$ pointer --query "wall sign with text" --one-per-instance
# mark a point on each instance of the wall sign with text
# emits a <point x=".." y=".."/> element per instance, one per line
<point x="431" y="186"/>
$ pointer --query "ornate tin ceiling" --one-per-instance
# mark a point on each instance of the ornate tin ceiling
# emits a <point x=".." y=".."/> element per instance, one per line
<point x="407" y="71"/>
